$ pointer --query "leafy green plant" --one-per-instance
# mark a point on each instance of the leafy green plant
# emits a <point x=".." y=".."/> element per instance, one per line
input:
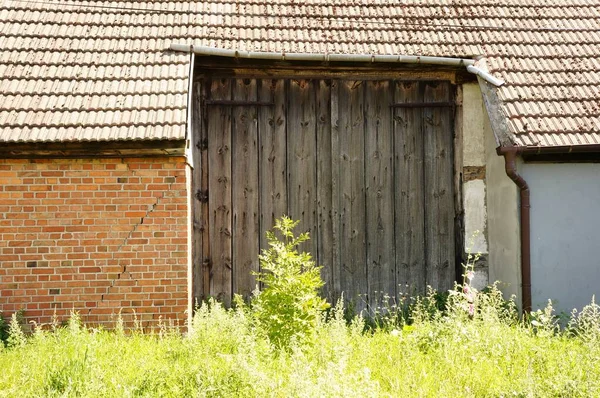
<point x="289" y="306"/>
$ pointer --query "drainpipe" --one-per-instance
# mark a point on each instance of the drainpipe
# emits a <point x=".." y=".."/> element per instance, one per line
<point x="510" y="163"/>
<point x="319" y="57"/>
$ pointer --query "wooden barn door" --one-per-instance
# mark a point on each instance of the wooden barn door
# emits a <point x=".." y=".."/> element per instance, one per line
<point x="366" y="166"/>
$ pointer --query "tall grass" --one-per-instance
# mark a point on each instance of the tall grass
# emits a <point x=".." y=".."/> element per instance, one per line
<point x="470" y="344"/>
<point x="434" y="353"/>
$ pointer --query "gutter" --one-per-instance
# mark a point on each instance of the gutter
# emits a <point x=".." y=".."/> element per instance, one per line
<point x="319" y="57"/>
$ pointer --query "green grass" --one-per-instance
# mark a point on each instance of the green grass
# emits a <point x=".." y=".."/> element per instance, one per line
<point x="434" y="353"/>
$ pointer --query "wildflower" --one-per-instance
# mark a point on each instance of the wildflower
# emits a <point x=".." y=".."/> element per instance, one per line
<point x="469" y="294"/>
<point x="471" y="309"/>
<point x="470" y="275"/>
<point x="395" y="332"/>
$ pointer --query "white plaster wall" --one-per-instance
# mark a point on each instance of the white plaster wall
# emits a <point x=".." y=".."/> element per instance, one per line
<point x="473" y="126"/>
<point x="474" y="202"/>
<point x="475" y="216"/>
<point x="565" y="238"/>
<point x="503" y="230"/>
<point x="474" y="191"/>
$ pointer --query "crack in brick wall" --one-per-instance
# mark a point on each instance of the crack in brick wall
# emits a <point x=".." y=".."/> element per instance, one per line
<point x="151" y="209"/>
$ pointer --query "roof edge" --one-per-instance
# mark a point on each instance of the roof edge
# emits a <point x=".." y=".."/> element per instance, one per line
<point x="96" y="149"/>
<point x="547" y="150"/>
<point x="493" y="106"/>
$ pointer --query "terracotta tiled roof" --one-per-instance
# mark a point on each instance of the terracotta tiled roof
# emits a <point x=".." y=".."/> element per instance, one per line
<point x="101" y="70"/>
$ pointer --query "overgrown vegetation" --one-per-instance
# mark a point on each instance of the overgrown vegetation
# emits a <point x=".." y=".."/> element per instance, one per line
<point x="473" y="344"/>
<point x="287" y="309"/>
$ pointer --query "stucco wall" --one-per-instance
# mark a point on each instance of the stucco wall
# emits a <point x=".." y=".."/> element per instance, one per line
<point x="565" y="242"/>
<point x="503" y="221"/>
<point x="474" y="158"/>
<point x="474" y="181"/>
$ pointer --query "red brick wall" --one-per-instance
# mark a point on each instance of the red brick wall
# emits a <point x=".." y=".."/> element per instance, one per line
<point x="97" y="236"/>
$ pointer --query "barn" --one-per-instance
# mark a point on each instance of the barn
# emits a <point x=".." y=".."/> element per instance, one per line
<point x="147" y="147"/>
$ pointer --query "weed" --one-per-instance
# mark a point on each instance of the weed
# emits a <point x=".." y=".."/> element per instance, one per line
<point x="288" y="308"/>
<point x="16" y="336"/>
<point x="586" y="324"/>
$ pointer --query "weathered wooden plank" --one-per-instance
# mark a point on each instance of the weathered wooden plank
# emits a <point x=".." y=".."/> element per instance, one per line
<point x="331" y="71"/>
<point x="409" y="200"/>
<point x="202" y="196"/>
<point x="272" y="155"/>
<point x="439" y="197"/>
<point x="301" y="159"/>
<point x="219" y="197"/>
<point x="379" y="183"/>
<point x="459" y="229"/>
<point x="199" y="207"/>
<point x="325" y="253"/>
<point x="244" y="137"/>
<point x="352" y="191"/>
<point x="336" y="266"/>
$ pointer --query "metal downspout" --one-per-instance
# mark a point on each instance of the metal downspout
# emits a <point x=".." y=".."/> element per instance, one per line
<point x="510" y="163"/>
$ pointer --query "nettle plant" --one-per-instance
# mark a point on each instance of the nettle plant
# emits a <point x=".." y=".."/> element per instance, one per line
<point x="289" y="307"/>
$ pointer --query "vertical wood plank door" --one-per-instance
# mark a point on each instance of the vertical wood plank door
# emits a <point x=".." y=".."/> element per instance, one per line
<point x="366" y="166"/>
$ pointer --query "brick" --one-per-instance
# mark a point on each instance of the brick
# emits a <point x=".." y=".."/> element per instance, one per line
<point x="64" y="236"/>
